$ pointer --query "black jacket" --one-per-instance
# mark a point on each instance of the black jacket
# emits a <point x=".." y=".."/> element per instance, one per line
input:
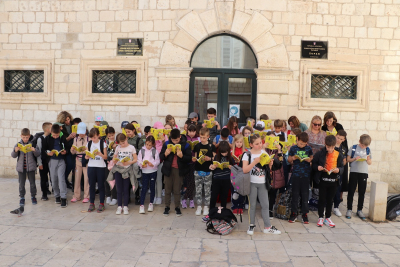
<point x="337" y="127"/>
<point x="320" y="159"/>
<point x="48" y="144"/>
<point x="183" y="163"/>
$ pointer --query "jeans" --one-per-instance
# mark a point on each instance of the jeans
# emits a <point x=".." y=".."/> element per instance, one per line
<point x="22" y="180"/>
<point x="123" y="186"/>
<point x="148" y="178"/>
<point x="96" y="175"/>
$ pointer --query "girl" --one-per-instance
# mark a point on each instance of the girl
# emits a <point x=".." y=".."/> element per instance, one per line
<point x="159" y="183"/>
<point x="246" y="132"/>
<point x="96" y="168"/>
<point x="124" y="149"/>
<point x="238" y="147"/>
<point x="111" y="194"/>
<point x="169" y="119"/>
<point x="189" y="178"/>
<point x="149" y="171"/>
<point x="285" y="129"/>
<point x="259" y="179"/>
<point x="79" y="141"/>
<point x="167" y="126"/>
<point x="233" y="126"/>
<point x="238" y="201"/>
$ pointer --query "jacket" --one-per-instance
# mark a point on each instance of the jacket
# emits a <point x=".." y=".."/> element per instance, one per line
<point x="132" y="172"/>
<point x="48" y="144"/>
<point x="30" y="158"/>
<point x="148" y="155"/>
<point x="183" y="163"/>
<point x="319" y="160"/>
<point x="134" y="142"/>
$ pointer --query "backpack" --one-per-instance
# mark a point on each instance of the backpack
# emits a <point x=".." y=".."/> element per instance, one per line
<point x="153" y="152"/>
<point x="393" y="207"/>
<point x="221" y="221"/>
<point x="101" y="150"/>
<point x="353" y="151"/>
<point x="283" y="205"/>
<point x="241" y="181"/>
<point x="230" y="138"/>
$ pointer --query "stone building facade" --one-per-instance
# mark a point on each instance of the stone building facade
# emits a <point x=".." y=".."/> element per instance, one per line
<point x="69" y="39"/>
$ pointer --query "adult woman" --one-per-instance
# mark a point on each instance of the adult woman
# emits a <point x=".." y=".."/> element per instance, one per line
<point x="331" y="125"/>
<point x="65" y="118"/>
<point x="295" y="123"/>
<point x="316" y="137"/>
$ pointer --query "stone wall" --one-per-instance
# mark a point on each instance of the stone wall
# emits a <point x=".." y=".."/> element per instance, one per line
<point x="360" y="34"/>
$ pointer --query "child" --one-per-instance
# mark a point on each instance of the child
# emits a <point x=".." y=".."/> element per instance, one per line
<point x="56" y="163"/>
<point x="133" y="138"/>
<point x="328" y="166"/>
<point x="26" y="166"/>
<point x="215" y="130"/>
<point x="80" y="140"/>
<point x="111" y="194"/>
<point x="159" y="181"/>
<point x="259" y="179"/>
<point x="96" y="168"/>
<point x="42" y="161"/>
<point x="223" y="137"/>
<point x="175" y="167"/>
<point x="300" y="178"/>
<point x="343" y="182"/>
<point x="98" y="120"/>
<point x="260" y="126"/>
<point x="252" y="121"/>
<point x="278" y="126"/>
<point x="149" y="171"/>
<point x="171" y="121"/>
<point x="194" y="117"/>
<point x="358" y="174"/>
<point x="233" y="126"/>
<point x="147" y="130"/>
<point x="238" y="149"/>
<point x="202" y="174"/>
<point x="189" y="178"/>
<point x="284" y="128"/>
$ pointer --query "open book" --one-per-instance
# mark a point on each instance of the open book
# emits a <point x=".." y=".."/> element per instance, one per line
<point x="202" y="159"/>
<point x="329" y="172"/>
<point x="222" y="165"/>
<point x="361" y="159"/>
<point x="167" y="132"/>
<point x="93" y="154"/>
<point x="209" y="123"/>
<point x="246" y="142"/>
<point x="102" y="129"/>
<point x="302" y="158"/>
<point x="249" y="124"/>
<point x="55" y="151"/>
<point x="183" y="132"/>
<point x="25" y="148"/>
<point x="285" y="147"/>
<point x="236" y="158"/>
<point x="158" y="134"/>
<point x="268" y="124"/>
<point x="145" y="162"/>
<point x="136" y="125"/>
<point x="333" y="132"/>
<point x="272" y="141"/>
<point x="79" y="149"/>
<point x="265" y="159"/>
<point x="192" y="144"/>
<point x="126" y="159"/>
<point x="291" y="139"/>
<point x="110" y="145"/>
<point x="74" y="128"/>
<point x="123" y="131"/>
<point x="174" y="148"/>
<point x="260" y="133"/>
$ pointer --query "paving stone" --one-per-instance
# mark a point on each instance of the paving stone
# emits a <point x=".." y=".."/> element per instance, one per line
<point x="362" y="256"/>
<point x="241" y="246"/>
<point x="307" y="237"/>
<point x="365" y="229"/>
<point x="389" y="259"/>
<point x="186" y="254"/>
<point x="306" y="261"/>
<point x="153" y="259"/>
<point x="243" y="258"/>
<point x="381" y="248"/>
<point x="347" y="238"/>
<point x="352" y="247"/>
<point x="325" y="247"/>
<point x="380" y="239"/>
<point x="298" y="249"/>
<point x="334" y="258"/>
<point x="271" y="251"/>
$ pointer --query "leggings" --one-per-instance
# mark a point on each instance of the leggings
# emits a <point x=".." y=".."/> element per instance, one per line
<point x="190" y="185"/>
<point x="148" y="178"/>
<point x="96" y="175"/>
<point x="260" y="191"/>
<point x="122" y="189"/>
<point x="219" y="187"/>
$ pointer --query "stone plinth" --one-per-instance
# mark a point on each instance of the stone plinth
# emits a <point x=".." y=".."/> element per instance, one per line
<point x="377" y="202"/>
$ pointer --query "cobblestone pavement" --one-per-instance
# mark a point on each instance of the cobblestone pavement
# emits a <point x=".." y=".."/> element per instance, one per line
<point x="47" y="235"/>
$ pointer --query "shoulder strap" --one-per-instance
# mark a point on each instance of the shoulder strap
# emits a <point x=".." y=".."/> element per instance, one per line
<point x="248" y="153"/>
<point x="353" y="151"/>
<point x="368" y="151"/>
<point x="230" y="139"/>
<point x="89" y="145"/>
<point x="102" y="146"/>
<point x="143" y="152"/>
<point x="153" y="152"/>
<point x="217" y="138"/>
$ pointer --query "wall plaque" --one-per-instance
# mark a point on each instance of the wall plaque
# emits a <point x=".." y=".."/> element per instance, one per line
<point x="130" y="47"/>
<point x="314" y="49"/>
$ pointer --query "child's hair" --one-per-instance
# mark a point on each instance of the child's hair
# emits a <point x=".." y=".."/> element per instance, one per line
<point x="55" y="128"/>
<point x="168" y="118"/>
<point x="284" y="124"/>
<point x="278" y="123"/>
<point x="224" y="132"/>
<point x="296" y="131"/>
<point x="230" y="126"/>
<point x="224" y="147"/>
<point x="342" y="133"/>
<point x="147" y="129"/>
<point x="295" y="121"/>
<point x="253" y="138"/>
<point x="264" y="117"/>
<point x="172" y="126"/>
<point x="46" y="125"/>
<point x="93" y="132"/>
<point x="188" y="121"/>
<point x="212" y="111"/>
<point x="110" y="130"/>
<point x="238" y="137"/>
<point x="192" y="128"/>
<point x="175" y="134"/>
<point x="130" y="126"/>
<point x="25" y="132"/>
<point x="330" y="115"/>
<point x="304" y="137"/>
<point x="151" y="139"/>
<point x="198" y="128"/>
<point x="121" y="137"/>
<point x="247" y="128"/>
<point x="76" y="121"/>
<point x="330" y="140"/>
<point x="134" y="122"/>
<point x="271" y="133"/>
<point x="365" y="139"/>
<point x="203" y="131"/>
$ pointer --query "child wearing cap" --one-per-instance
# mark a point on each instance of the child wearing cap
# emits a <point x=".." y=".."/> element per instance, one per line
<point x="98" y="120"/>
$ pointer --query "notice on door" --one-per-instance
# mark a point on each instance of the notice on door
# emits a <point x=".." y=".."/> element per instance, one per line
<point x="234" y="110"/>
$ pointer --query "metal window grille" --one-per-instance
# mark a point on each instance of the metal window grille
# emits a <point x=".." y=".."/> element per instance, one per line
<point x="333" y="86"/>
<point x="24" y="81"/>
<point x="114" y="81"/>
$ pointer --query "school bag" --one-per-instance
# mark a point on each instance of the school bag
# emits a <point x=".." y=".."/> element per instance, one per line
<point x="221" y="221"/>
<point x="241" y="181"/>
<point x="230" y="138"/>
<point x="283" y="203"/>
<point x="353" y="151"/>
<point x="393" y="207"/>
<point x="101" y="150"/>
<point x="153" y="153"/>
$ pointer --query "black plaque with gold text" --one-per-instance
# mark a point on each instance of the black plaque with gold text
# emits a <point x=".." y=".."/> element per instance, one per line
<point x="130" y="47"/>
<point x="314" y="49"/>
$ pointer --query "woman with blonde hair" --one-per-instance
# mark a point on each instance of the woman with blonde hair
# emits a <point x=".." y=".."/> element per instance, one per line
<point x="316" y="137"/>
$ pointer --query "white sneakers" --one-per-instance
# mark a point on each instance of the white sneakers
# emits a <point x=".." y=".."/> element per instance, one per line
<point x="337" y="212"/>
<point x="126" y="211"/>
<point x="205" y="211"/>
<point x="108" y="200"/>
<point x="113" y="202"/>
<point x="150" y="208"/>
<point x="320" y="222"/>
<point x="198" y="211"/>
<point x="141" y="209"/>
<point x="119" y="210"/>
<point x="251" y="229"/>
<point x="157" y="200"/>
<point x="272" y="230"/>
<point x="328" y="222"/>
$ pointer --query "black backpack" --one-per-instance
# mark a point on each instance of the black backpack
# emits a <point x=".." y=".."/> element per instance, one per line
<point x="221" y="221"/>
<point x="393" y="207"/>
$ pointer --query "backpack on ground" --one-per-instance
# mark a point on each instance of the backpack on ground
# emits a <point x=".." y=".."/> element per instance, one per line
<point x="283" y="205"/>
<point x="221" y="221"/>
<point x="393" y="207"/>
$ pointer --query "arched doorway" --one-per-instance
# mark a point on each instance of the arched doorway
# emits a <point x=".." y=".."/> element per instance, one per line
<point x="223" y="77"/>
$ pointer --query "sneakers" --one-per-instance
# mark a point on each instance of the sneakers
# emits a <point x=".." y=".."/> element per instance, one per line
<point x="305" y="219"/>
<point x="337" y="212"/>
<point x="320" y="222"/>
<point x="64" y="203"/>
<point x="113" y="202"/>
<point x="58" y="200"/>
<point x="22" y="202"/>
<point x="251" y="229"/>
<point x="183" y="202"/>
<point x="101" y="208"/>
<point x="108" y="200"/>
<point x="205" y="210"/>
<point x="198" y="211"/>
<point x="141" y="209"/>
<point x="163" y="193"/>
<point x="34" y="201"/>
<point x="126" y="211"/>
<point x="44" y="198"/>
<point x="85" y="200"/>
<point x="205" y="219"/>
<point x="272" y="230"/>
<point x="158" y="201"/>
<point x="150" y="208"/>
<point x="271" y="215"/>
<point x="246" y="206"/>
<point x="293" y="217"/>
<point x="91" y="207"/>
<point x="361" y="215"/>
<point x="74" y="200"/>
<point x="119" y="210"/>
<point x="328" y="222"/>
<point x="166" y="211"/>
<point x="348" y="214"/>
<point x="191" y="204"/>
<point x="178" y="212"/>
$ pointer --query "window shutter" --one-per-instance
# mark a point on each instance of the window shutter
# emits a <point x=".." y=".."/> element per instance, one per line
<point x="237" y="55"/>
<point x="226" y="52"/>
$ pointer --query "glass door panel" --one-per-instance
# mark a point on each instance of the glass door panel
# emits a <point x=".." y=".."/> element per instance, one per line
<point x="239" y="98"/>
<point x="205" y="95"/>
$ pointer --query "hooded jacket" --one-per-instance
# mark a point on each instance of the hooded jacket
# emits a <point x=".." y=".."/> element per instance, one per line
<point x="30" y="158"/>
<point x="319" y="159"/>
<point x="183" y="163"/>
<point x="48" y="144"/>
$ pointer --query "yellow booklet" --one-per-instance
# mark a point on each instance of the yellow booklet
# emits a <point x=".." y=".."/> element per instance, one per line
<point x="193" y="144"/>
<point x="246" y="142"/>
<point x="302" y="158"/>
<point x="249" y="124"/>
<point x="236" y="158"/>
<point x="268" y="124"/>
<point x="158" y="134"/>
<point x="183" y="132"/>
<point x="123" y="131"/>
<point x="93" y="154"/>
<point x="333" y="132"/>
<point x="74" y="128"/>
<point x="79" y="149"/>
<point x="136" y="125"/>
<point x="222" y="165"/>
<point x="272" y="142"/>
<point x="291" y="139"/>
<point x="362" y="159"/>
<point x="202" y="159"/>
<point x="265" y="159"/>
<point x="167" y="132"/>
<point x="110" y="146"/>
<point x="329" y="172"/>
<point x="145" y="162"/>
<point x="285" y="147"/>
<point x="55" y="152"/>
<point x="126" y="159"/>
<point x="209" y="123"/>
<point x="25" y="148"/>
<point x="174" y="148"/>
<point x="261" y="133"/>
<point x="102" y="129"/>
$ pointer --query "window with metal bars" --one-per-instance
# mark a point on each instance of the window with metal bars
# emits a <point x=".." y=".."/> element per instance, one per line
<point x="31" y="81"/>
<point x="114" y="81"/>
<point x="333" y="86"/>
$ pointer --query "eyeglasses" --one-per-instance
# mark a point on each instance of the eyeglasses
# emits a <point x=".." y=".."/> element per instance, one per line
<point x="317" y="125"/>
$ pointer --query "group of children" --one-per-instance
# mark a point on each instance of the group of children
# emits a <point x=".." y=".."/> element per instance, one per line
<point x="193" y="162"/>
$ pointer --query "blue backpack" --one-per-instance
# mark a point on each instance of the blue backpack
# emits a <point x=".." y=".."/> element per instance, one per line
<point x="353" y="151"/>
<point x="219" y="136"/>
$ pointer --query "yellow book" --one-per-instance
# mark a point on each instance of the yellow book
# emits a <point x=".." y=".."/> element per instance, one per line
<point x="261" y="133"/>
<point x="268" y="124"/>
<point x="302" y="158"/>
<point x="285" y="147"/>
<point x="136" y="125"/>
<point x="222" y="165"/>
<point x="292" y="139"/>
<point x="110" y="146"/>
<point x="123" y="131"/>
<point x="145" y="162"/>
<point x="265" y="159"/>
<point x="183" y="132"/>
<point x="158" y="134"/>
<point x="167" y="132"/>
<point x="193" y="144"/>
<point x="362" y="159"/>
<point x="333" y="132"/>
<point x="249" y="124"/>
<point x="102" y="129"/>
<point x="25" y="148"/>
<point x="202" y="159"/>
<point x="209" y="123"/>
<point x="272" y="142"/>
<point x="55" y="152"/>
<point x="246" y="142"/>
<point x="79" y="149"/>
<point x="329" y="172"/>
<point x="74" y="128"/>
<point x="236" y="158"/>
<point x="174" y="148"/>
<point x="126" y="159"/>
<point x="93" y="154"/>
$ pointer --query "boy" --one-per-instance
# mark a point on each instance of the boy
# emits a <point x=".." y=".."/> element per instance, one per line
<point x="194" y="117"/>
<point x="260" y="126"/>
<point x="147" y="130"/>
<point x="340" y="138"/>
<point x="26" y="166"/>
<point x="98" y="120"/>
<point x="174" y="168"/>
<point x="123" y="124"/>
<point x="328" y="166"/>
<point x="223" y="137"/>
<point x="56" y="163"/>
<point x="300" y="175"/>
<point x="252" y="120"/>
<point x="358" y="174"/>
<point x="278" y="126"/>
<point x="42" y="162"/>
<point x="214" y="131"/>
<point x="202" y="173"/>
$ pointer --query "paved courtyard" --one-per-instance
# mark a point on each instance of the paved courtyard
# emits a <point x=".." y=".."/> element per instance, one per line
<point x="47" y="235"/>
